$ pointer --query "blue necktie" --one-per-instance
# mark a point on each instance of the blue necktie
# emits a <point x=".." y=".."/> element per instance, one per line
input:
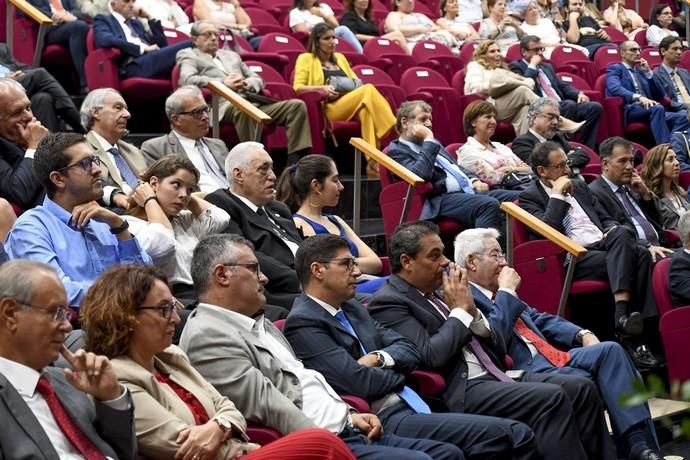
<point x="125" y="171"/>
<point x="462" y="179"/>
<point x="407" y="394"/>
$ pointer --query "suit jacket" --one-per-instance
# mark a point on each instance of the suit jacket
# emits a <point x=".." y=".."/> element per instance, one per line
<point x="564" y="90"/>
<point x="324" y="344"/>
<point x="70" y="6"/>
<point x="18" y="184"/>
<point x="681" y="145"/>
<point x="276" y="259"/>
<point x="664" y="81"/>
<point x="440" y="341"/>
<point x="615" y="209"/>
<point x="620" y="83"/>
<point x="107" y="33"/>
<point x="8" y="61"/>
<point x="160" y="415"/>
<point x="234" y="361"/>
<point x="21" y="436"/>
<point x="197" y="68"/>
<point x="424" y="165"/>
<point x="553" y="211"/>
<point x="109" y="172"/>
<point x="523" y="144"/>
<point x="169" y="144"/>
<point x="679" y="278"/>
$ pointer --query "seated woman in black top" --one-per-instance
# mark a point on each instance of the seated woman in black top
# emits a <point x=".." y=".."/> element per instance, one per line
<point x="358" y="19"/>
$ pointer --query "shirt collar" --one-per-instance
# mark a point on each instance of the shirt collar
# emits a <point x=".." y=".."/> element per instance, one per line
<point x="21" y="377"/>
<point x="187" y="142"/>
<point x="613" y="186"/>
<point x="627" y="66"/>
<point x="667" y="68"/>
<point x="546" y="188"/>
<point x="105" y="145"/>
<point x="474" y="142"/>
<point x="58" y="211"/>
<point x="331" y="310"/>
<point x="539" y="137"/>
<point x="116" y="15"/>
<point x="244" y="321"/>
<point x="416" y="148"/>
<point x="489" y="295"/>
<point x="244" y="200"/>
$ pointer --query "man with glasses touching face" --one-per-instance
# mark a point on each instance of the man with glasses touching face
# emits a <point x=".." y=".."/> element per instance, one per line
<point x="70" y="231"/>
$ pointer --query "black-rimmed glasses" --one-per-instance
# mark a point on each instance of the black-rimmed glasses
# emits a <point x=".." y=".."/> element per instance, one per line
<point x="85" y="163"/>
<point x="60" y="314"/>
<point x="198" y="112"/>
<point x="166" y="309"/>
<point x="252" y="267"/>
<point x="348" y="262"/>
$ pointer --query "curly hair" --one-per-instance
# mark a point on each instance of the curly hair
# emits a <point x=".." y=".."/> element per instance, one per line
<point x="479" y="55"/>
<point x="108" y="311"/>
<point x="653" y="170"/>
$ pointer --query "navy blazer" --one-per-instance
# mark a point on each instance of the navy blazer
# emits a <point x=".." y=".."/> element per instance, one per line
<point x="107" y="33"/>
<point x="620" y="83"/>
<point x="523" y="145"/>
<point x="564" y="90"/>
<point x="18" y="184"/>
<point x="680" y="143"/>
<point x="324" y="344"/>
<point x="668" y="86"/>
<point x="70" y="6"/>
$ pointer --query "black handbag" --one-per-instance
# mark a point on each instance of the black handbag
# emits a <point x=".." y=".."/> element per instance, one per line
<point x="517" y="180"/>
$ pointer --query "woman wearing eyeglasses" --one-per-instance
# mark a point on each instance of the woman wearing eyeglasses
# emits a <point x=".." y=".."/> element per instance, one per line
<point x="169" y="220"/>
<point x="659" y="21"/>
<point x="129" y="315"/>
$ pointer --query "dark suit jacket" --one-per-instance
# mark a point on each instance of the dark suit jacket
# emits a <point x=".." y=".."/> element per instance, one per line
<point x="680" y="144"/>
<point x="276" y="259"/>
<point x="107" y="33"/>
<point x="564" y="90"/>
<point x="18" y="184"/>
<point x="679" y="279"/>
<point x="620" y="83"/>
<point x="615" y="209"/>
<point x="663" y="80"/>
<point x="324" y="344"/>
<point x="523" y="145"/>
<point x="553" y="211"/>
<point x="21" y="436"/>
<point x="402" y="307"/>
<point x="70" y="6"/>
<point x="8" y="61"/>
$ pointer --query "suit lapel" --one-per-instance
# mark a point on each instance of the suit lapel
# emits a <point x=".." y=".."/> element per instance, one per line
<point x="111" y="171"/>
<point x="218" y="152"/>
<point x="417" y="298"/>
<point x="175" y="146"/>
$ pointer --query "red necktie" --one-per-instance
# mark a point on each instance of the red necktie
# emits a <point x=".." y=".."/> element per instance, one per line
<point x="555" y="356"/>
<point x="546" y="87"/>
<point x="71" y="431"/>
<point x="57" y="5"/>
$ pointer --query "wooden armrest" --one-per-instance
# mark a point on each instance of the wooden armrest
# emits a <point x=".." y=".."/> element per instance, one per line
<point x="32" y="12"/>
<point x="389" y="163"/>
<point x="239" y="102"/>
<point x="543" y="229"/>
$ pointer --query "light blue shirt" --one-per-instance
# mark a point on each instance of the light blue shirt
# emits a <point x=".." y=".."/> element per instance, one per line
<point x="45" y="234"/>
<point x="452" y="184"/>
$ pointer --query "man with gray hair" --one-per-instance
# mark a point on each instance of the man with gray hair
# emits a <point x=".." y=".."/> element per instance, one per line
<point x="188" y="114"/>
<point x="679" y="271"/>
<point x="104" y="113"/>
<point x="259" y="217"/>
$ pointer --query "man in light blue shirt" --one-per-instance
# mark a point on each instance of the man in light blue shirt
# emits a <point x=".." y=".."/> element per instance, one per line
<point x="70" y="231"/>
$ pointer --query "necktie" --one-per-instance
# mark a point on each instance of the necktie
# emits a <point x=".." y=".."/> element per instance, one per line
<point x="680" y="87"/>
<point x="454" y="171"/>
<point x="125" y="171"/>
<point x="407" y="394"/>
<point x="555" y="356"/>
<point x="135" y="31"/>
<point x="647" y="228"/>
<point x="636" y="83"/>
<point x="211" y="165"/>
<point x="57" y="5"/>
<point x="280" y="231"/>
<point x="440" y="305"/>
<point x="71" y="431"/>
<point x="546" y="87"/>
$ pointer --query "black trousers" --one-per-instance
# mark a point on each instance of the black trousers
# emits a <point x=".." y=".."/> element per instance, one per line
<point x="49" y="100"/>
<point x="589" y="112"/>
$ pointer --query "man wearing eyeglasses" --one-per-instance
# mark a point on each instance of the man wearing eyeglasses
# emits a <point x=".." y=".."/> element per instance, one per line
<point x="47" y="412"/>
<point x="573" y="104"/>
<point x="613" y="253"/>
<point x="204" y="63"/>
<point x="70" y="231"/>
<point x="672" y="79"/>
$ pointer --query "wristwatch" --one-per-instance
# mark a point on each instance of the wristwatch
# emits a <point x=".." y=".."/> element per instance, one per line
<point x="120" y="229"/>
<point x="381" y="361"/>
<point x="581" y="333"/>
<point x="224" y="424"/>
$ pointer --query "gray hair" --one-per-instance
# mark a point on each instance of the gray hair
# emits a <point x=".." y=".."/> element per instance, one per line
<point x="6" y="84"/>
<point x="405" y="111"/>
<point x="239" y="158"/>
<point x="93" y="100"/>
<point x="211" y="251"/>
<point x="173" y="104"/>
<point x="683" y="228"/>
<point x="472" y="241"/>
<point x="536" y="108"/>
<point x="194" y="32"/>
<point x="17" y="278"/>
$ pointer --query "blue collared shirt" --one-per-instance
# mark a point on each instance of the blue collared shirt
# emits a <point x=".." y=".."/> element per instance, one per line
<point x="452" y="185"/>
<point x="46" y="234"/>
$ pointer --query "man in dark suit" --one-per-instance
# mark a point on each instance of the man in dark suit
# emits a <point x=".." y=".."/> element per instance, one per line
<point x="679" y="271"/>
<point x="50" y="413"/>
<point x="612" y="254"/>
<point x="633" y="80"/>
<point x="333" y="334"/>
<point x="256" y="215"/>
<point x="144" y="53"/>
<point x="457" y="193"/>
<point x="529" y="334"/>
<point x="20" y="134"/>
<point x="574" y="104"/>
<point x="455" y="339"/>
<point x="673" y="80"/>
<point x="188" y="114"/>
<point x="680" y="143"/>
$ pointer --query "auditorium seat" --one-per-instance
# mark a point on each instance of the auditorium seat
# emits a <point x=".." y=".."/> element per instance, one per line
<point x="566" y="58"/>
<point x="389" y="56"/>
<point x="438" y="57"/>
<point x="613" y="110"/>
<point x="377" y="77"/>
<point x="285" y="45"/>
<point x="263" y="21"/>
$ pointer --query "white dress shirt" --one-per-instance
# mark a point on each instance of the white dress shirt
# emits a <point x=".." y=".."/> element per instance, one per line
<point x="577" y="223"/>
<point x="207" y="182"/>
<point x="129" y="36"/>
<point x="108" y="189"/>
<point x="291" y="245"/>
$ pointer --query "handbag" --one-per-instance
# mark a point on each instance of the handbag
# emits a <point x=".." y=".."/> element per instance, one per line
<point x="516" y="180"/>
<point x="344" y="84"/>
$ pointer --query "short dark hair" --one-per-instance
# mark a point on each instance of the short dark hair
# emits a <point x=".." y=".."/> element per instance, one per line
<point x="540" y="154"/>
<point x="50" y="156"/>
<point x="656" y="11"/>
<point x="666" y="43"/>
<point x="475" y="110"/>
<point x="606" y="147"/>
<point x="318" y="248"/>
<point x="406" y="240"/>
<point x="526" y="40"/>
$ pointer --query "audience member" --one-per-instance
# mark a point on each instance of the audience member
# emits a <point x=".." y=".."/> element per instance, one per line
<point x="573" y="104"/>
<point x="660" y="19"/>
<point x="169" y="220"/>
<point x="105" y="114"/>
<point x="305" y="14"/>
<point x="492" y="162"/>
<point x="455" y="339"/>
<point x="7" y="220"/>
<point x="451" y="21"/>
<point x="624" y="19"/>
<point x="70" y="231"/>
<point x="417" y="26"/>
<point x="259" y="217"/>
<point x="130" y="315"/>
<point x="322" y="69"/>
<point x="188" y="114"/>
<point x="472" y="11"/>
<point x="77" y="412"/>
<point x="613" y="252"/>
<point x="660" y="172"/>
<point x="633" y="80"/>
<point x="680" y="143"/>
<point x="679" y="270"/>
<point x="359" y="19"/>
<point x="550" y="9"/>
<point x="542" y="27"/>
<point x="257" y="367"/>
<point x="204" y="63"/>
<point x="504" y="29"/>
<point x="20" y="134"/>
<point x="582" y="29"/>
<point x="168" y="12"/>
<point x="144" y="50"/>
<point x="673" y="80"/>
<point x="227" y="15"/>
<point x="333" y="334"/>
<point x="90" y="8"/>
<point x="527" y="334"/>
<point x="67" y="29"/>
